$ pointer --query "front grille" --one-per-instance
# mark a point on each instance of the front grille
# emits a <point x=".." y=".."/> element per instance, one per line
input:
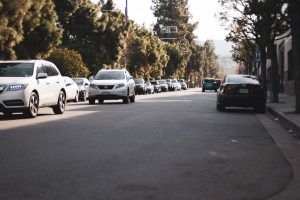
<point x="16" y="102"/>
<point x="2" y="87"/>
<point x="106" y="87"/>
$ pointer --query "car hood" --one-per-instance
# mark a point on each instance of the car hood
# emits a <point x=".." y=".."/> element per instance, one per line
<point x="14" y="80"/>
<point x="108" y="82"/>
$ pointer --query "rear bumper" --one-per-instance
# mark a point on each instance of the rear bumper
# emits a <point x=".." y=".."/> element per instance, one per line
<point x="241" y="100"/>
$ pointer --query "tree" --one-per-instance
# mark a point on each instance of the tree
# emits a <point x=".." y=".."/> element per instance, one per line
<point x="69" y="62"/>
<point x="176" y="14"/>
<point x="40" y="32"/>
<point x="294" y="7"/>
<point x="261" y="21"/>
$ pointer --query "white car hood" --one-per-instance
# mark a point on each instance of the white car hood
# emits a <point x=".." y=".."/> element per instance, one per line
<point x="108" y="82"/>
<point x="14" y="80"/>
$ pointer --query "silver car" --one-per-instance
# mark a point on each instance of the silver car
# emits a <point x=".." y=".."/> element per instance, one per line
<point x="112" y="84"/>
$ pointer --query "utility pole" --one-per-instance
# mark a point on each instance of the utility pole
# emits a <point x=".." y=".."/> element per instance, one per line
<point x="126" y="19"/>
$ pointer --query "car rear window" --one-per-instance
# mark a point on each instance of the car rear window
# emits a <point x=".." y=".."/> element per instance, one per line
<point x="16" y="69"/>
<point x="242" y="79"/>
<point x="110" y="75"/>
<point x="138" y="81"/>
<point x="209" y="80"/>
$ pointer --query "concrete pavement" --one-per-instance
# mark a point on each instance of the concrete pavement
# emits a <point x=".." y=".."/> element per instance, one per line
<point x="284" y="113"/>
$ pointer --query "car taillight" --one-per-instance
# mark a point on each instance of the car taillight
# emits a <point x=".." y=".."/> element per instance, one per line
<point x="228" y="89"/>
<point x="259" y="89"/>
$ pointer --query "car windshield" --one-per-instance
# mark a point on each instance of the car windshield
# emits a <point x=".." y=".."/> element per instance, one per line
<point x="173" y="81"/>
<point x="162" y="82"/>
<point x="16" y="69"/>
<point x="138" y="81"/>
<point x="78" y="81"/>
<point x="154" y="83"/>
<point x="110" y="75"/>
<point x="180" y="80"/>
<point x="247" y="79"/>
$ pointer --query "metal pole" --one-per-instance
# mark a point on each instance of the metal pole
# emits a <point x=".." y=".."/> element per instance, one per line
<point x="126" y="11"/>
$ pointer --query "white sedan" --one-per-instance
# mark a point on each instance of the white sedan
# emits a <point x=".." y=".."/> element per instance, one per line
<point x="72" y="89"/>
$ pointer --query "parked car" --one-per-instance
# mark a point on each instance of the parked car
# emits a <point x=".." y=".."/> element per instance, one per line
<point x="241" y="91"/>
<point x="72" y="90"/>
<point x="164" y="85"/>
<point x="26" y="86"/>
<point x="171" y="87"/>
<point x="112" y="84"/>
<point x="140" y="86"/>
<point x="176" y="84"/>
<point x="83" y="85"/>
<point x="209" y="84"/>
<point x="183" y="84"/>
<point x="150" y="88"/>
<point x="157" y="86"/>
<point x="218" y="83"/>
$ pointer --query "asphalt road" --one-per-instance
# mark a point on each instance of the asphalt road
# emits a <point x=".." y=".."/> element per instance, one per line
<point x="170" y="146"/>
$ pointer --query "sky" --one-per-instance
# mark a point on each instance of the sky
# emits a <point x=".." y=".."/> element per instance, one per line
<point x="203" y="12"/>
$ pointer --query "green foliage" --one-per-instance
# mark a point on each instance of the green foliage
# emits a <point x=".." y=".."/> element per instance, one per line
<point x="69" y="62"/>
<point x="41" y="34"/>
<point x="147" y="54"/>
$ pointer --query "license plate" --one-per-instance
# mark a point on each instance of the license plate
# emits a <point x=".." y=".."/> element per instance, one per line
<point x="106" y="92"/>
<point x="244" y="91"/>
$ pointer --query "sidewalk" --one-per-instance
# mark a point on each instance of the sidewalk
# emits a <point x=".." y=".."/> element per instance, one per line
<point x="284" y="113"/>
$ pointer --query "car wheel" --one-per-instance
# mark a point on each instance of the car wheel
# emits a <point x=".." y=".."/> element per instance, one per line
<point x="216" y="90"/>
<point x="91" y="101"/>
<point x="203" y="90"/>
<point x="126" y="99"/>
<point x="76" y="97"/>
<point x="32" y="110"/>
<point x="61" y="104"/>
<point x="220" y="106"/>
<point x="101" y="101"/>
<point x="132" y="99"/>
<point x="84" y="96"/>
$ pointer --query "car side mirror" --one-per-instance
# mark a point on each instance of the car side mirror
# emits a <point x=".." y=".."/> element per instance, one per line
<point x="41" y="75"/>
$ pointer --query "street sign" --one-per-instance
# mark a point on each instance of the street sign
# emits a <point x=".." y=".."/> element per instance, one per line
<point x="257" y="56"/>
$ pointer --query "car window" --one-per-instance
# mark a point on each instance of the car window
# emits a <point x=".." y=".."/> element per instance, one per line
<point x="242" y="79"/>
<point x="153" y="82"/>
<point x="209" y="80"/>
<point x="78" y="81"/>
<point x="162" y="82"/>
<point x="50" y="70"/>
<point x="16" y="69"/>
<point x="110" y="75"/>
<point x="138" y="81"/>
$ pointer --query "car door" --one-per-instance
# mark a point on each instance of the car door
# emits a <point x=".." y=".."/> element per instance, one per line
<point x="55" y="82"/>
<point x="130" y="83"/>
<point x="43" y="86"/>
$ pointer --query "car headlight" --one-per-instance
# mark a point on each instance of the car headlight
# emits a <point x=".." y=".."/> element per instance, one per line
<point x="93" y="86"/>
<point x="17" y="87"/>
<point x="120" y="85"/>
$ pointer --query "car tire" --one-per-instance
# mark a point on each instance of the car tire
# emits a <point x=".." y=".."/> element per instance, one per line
<point x="91" y="101"/>
<point x="33" y="108"/>
<point x="220" y="106"/>
<point x="126" y="99"/>
<point x="60" y="107"/>
<point x="101" y="101"/>
<point x="132" y="99"/>
<point x="216" y="90"/>
<point x="84" y="96"/>
<point x="203" y="90"/>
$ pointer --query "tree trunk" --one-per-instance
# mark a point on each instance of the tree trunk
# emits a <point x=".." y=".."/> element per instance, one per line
<point x="263" y="66"/>
<point x="295" y="16"/>
<point x="272" y="51"/>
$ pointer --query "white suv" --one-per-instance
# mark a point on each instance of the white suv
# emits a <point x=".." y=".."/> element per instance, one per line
<point x="26" y="86"/>
<point x="112" y="84"/>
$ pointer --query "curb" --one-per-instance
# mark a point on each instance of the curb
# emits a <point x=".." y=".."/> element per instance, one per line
<point x="286" y="122"/>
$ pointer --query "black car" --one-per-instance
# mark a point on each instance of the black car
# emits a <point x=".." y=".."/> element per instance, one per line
<point x="140" y="86"/>
<point x="241" y="91"/>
